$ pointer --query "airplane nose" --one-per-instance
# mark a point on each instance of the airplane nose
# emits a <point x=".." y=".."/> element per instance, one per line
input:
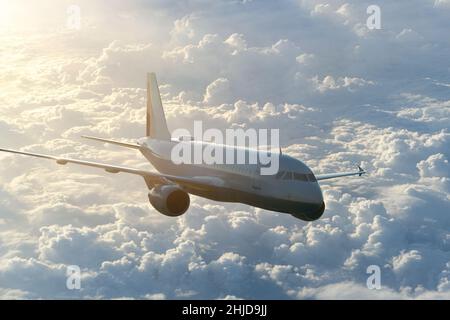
<point x="312" y="207"/>
<point x="318" y="213"/>
<point x="320" y="207"/>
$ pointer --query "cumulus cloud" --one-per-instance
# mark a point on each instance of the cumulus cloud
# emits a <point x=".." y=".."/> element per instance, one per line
<point x="329" y="83"/>
<point x="217" y="92"/>
<point x="335" y="89"/>
<point x="434" y="166"/>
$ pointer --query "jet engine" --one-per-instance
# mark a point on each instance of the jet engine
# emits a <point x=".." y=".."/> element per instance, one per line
<point x="170" y="200"/>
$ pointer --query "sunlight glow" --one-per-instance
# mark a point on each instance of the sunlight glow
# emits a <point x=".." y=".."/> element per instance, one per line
<point x="5" y="13"/>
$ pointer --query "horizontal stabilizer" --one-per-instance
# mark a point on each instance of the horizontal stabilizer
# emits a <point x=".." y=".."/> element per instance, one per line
<point x="122" y="144"/>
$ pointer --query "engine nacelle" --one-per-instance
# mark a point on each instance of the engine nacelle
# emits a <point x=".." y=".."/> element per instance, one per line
<point x="170" y="200"/>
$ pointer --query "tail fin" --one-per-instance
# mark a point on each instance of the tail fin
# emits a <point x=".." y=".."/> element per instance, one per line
<point x="156" y="120"/>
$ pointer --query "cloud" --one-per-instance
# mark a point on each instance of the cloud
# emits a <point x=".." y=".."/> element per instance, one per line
<point x="217" y="92"/>
<point x="329" y="83"/>
<point x="434" y="166"/>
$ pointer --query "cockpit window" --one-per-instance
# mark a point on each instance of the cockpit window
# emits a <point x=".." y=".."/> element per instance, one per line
<point x="288" y="175"/>
<point x="300" y="176"/>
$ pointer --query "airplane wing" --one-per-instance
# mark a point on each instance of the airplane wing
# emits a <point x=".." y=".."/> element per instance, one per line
<point x="151" y="178"/>
<point x="360" y="172"/>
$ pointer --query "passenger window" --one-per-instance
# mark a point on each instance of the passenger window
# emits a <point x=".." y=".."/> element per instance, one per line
<point x="280" y="174"/>
<point x="288" y="176"/>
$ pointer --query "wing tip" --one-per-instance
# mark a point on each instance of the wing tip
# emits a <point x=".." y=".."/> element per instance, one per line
<point x="361" y="170"/>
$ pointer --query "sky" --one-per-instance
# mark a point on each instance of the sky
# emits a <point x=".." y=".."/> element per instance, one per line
<point x="340" y="93"/>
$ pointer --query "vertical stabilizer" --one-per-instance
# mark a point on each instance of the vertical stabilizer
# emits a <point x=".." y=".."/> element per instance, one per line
<point x="156" y="120"/>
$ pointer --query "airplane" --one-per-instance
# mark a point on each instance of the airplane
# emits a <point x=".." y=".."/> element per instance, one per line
<point x="294" y="190"/>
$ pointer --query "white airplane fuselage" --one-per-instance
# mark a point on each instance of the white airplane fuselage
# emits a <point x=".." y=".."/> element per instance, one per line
<point x="293" y="190"/>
